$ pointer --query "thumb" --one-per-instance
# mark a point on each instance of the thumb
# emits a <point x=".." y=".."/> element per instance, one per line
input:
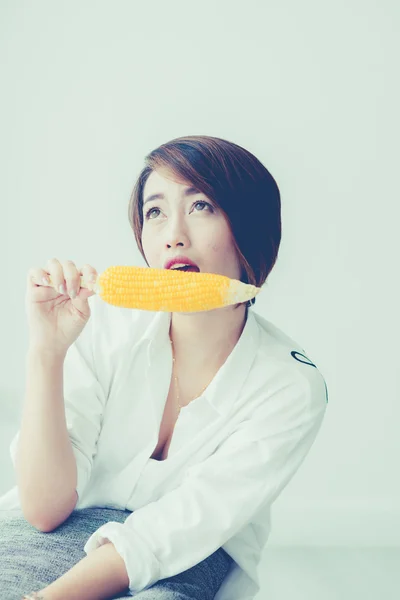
<point x="81" y="300"/>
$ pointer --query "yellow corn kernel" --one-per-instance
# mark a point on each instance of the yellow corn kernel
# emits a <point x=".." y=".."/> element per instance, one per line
<point x="170" y="290"/>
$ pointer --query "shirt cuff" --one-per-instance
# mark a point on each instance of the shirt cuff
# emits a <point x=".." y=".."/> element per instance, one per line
<point x="142" y="566"/>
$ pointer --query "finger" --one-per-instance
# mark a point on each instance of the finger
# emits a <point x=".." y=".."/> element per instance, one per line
<point x="72" y="278"/>
<point x="89" y="274"/>
<point x="38" y="276"/>
<point x="56" y="272"/>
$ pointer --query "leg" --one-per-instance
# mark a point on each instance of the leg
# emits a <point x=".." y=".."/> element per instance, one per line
<point x="32" y="559"/>
<point x="200" y="582"/>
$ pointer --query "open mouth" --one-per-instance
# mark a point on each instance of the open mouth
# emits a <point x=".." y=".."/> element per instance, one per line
<point x="186" y="268"/>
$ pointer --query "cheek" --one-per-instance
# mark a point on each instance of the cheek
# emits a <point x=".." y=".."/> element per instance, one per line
<point x="148" y="245"/>
<point x="214" y="243"/>
<point x="146" y="237"/>
<point x="221" y="239"/>
<point x="220" y="244"/>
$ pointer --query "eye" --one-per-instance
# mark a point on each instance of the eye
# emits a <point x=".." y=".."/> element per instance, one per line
<point x="210" y="208"/>
<point x="149" y="211"/>
<point x="205" y="204"/>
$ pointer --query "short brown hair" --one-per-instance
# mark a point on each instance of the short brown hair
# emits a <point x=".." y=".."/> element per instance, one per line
<point x="240" y="186"/>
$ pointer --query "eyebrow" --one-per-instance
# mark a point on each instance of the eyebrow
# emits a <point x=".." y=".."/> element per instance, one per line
<point x="190" y="191"/>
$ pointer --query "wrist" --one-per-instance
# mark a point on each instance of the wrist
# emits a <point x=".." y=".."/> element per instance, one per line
<point x="46" y="353"/>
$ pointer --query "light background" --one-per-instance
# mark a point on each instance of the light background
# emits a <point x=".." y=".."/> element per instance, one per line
<point x="312" y="89"/>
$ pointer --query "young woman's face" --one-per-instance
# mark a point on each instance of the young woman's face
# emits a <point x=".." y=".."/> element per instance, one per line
<point x="188" y="225"/>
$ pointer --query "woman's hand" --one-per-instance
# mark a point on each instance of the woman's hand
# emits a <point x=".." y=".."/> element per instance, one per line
<point x="57" y="314"/>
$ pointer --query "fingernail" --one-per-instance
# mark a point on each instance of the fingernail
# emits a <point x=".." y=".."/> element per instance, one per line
<point x="62" y="289"/>
<point x="45" y="280"/>
<point x="93" y="277"/>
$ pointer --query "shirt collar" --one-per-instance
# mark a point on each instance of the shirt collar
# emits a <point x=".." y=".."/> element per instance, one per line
<point x="226" y="385"/>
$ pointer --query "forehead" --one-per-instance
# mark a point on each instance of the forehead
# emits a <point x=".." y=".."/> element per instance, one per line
<point x="159" y="180"/>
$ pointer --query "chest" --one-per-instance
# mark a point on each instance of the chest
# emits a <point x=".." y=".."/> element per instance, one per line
<point x="188" y="389"/>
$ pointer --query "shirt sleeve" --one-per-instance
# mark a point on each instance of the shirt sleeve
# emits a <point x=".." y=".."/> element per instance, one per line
<point x="84" y="401"/>
<point x="219" y="496"/>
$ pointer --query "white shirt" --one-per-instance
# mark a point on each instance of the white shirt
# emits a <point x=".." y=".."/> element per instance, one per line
<point x="233" y="449"/>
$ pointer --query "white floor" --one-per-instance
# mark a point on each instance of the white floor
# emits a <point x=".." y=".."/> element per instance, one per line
<point x="330" y="574"/>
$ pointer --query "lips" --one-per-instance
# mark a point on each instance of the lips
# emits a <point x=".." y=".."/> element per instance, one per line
<point x="180" y="259"/>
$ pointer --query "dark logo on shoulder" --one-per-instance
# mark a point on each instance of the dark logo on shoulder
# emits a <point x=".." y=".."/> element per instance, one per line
<point x="307" y="361"/>
<point x="296" y="355"/>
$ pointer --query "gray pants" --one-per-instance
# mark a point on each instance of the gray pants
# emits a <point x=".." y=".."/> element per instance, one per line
<point x="31" y="559"/>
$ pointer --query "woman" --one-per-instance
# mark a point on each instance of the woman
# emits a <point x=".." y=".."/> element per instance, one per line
<point x="180" y="429"/>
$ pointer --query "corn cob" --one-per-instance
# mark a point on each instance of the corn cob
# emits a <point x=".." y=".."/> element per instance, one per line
<point x="169" y="290"/>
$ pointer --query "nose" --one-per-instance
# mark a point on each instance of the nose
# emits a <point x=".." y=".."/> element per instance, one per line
<point x="177" y="235"/>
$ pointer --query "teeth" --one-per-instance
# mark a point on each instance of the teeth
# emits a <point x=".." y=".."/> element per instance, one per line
<point x="176" y="265"/>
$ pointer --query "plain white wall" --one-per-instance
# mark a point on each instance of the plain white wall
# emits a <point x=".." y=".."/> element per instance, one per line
<point x="88" y="88"/>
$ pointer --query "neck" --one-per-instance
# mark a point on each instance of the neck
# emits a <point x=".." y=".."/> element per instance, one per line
<point x="207" y="334"/>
